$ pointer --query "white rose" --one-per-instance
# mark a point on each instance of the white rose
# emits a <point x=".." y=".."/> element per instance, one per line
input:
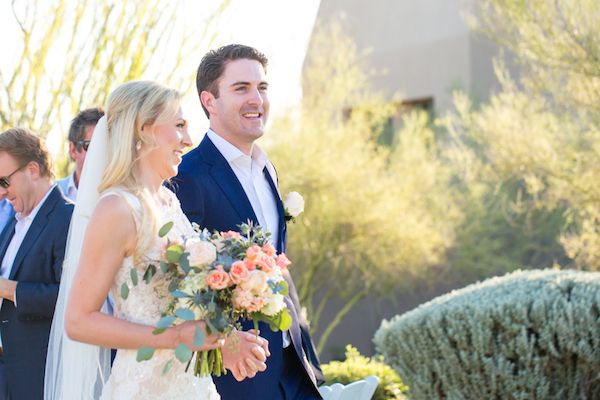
<point x="201" y="252"/>
<point x="273" y="305"/>
<point x="256" y="282"/>
<point x="294" y="204"/>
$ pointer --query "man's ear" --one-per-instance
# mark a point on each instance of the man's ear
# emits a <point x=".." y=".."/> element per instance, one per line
<point x="34" y="170"/>
<point x="208" y="101"/>
<point x="72" y="150"/>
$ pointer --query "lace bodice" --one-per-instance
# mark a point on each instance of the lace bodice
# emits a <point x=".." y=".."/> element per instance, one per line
<point x="129" y="378"/>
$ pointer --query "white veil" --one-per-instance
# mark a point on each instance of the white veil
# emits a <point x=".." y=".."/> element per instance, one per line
<point x="74" y="370"/>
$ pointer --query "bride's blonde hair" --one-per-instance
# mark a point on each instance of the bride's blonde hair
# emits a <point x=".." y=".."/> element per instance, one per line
<point x="130" y="107"/>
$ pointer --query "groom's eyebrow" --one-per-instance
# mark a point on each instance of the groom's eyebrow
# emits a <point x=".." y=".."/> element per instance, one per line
<point x="245" y="83"/>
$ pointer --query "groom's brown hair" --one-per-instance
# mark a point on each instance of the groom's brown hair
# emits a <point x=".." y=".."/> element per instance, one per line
<point x="213" y="64"/>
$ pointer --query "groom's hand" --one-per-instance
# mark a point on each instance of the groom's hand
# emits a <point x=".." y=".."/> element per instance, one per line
<point x="245" y="354"/>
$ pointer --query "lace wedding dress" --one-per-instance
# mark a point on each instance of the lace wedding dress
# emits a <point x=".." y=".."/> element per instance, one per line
<point x="130" y="379"/>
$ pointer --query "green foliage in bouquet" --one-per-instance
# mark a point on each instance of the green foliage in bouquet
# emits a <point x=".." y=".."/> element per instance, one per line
<point x="357" y="366"/>
<point x="526" y="335"/>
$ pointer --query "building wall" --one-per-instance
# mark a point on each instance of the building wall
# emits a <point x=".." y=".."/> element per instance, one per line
<point x="420" y="48"/>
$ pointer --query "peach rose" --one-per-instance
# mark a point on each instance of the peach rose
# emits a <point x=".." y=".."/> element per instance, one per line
<point x="231" y="235"/>
<point x="267" y="264"/>
<point x="253" y="253"/>
<point x="269" y="249"/>
<point x="282" y="261"/>
<point x="238" y="272"/>
<point x="218" y="279"/>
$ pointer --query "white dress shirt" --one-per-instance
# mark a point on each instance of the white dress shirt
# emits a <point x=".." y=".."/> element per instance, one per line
<point x="21" y="228"/>
<point x="249" y="171"/>
<point x="68" y="187"/>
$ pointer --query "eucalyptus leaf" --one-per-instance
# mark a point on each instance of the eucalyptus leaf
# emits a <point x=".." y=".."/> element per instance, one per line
<point x="283" y="288"/>
<point x="178" y="294"/>
<point x="162" y="232"/>
<point x="144" y="353"/>
<point x="185" y="314"/>
<point x="183" y="353"/>
<point x="167" y="367"/>
<point x="124" y="291"/>
<point x="164" y="267"/>
<point x="134" y="276"/>
<point x="173" y="255"/>
<point x="149" y="274"/>
<point x="199" y="337"/>
<point x="211" y="328"/>
<point x="184" y="262"/>
<point x="285" y="322"/>
<point x="165" y="322"/>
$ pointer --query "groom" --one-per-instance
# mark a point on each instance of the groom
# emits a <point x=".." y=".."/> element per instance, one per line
<point x="228" y="180"/>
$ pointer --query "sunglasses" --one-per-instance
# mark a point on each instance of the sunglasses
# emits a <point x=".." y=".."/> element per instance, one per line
<point x="83" y="144"/>
<point x="5" y="180"/>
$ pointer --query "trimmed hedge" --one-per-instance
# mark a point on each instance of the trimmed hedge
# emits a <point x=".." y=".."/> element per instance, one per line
<point x="526" y="335"/>
<point x="357" y="366"/>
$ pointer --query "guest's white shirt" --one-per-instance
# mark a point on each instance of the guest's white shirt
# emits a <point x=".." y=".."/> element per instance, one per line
<point x="67" y="185"/>
<point x="249" y="171"/>
<point x="21" y="227"/>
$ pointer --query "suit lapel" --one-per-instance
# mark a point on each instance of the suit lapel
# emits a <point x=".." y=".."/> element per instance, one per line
<point x="225" y="177"/>
<point x="7" y="234"/>
<point x="37" y="226"/>
<point x="281" y="222"/>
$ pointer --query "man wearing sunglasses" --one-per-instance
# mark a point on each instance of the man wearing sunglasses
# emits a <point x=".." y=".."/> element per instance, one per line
<point x="32" y="248"/>
<point x="80" y="135"/>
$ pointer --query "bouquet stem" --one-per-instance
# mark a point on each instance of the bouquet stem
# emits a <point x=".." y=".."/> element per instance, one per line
<point x="208" y="363"/>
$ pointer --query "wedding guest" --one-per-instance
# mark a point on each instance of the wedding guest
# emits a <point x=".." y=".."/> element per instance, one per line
<point x="32" y="248"/>
<point x="80" y="135"/>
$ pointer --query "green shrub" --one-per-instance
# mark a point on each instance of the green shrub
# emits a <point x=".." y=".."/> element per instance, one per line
<point x="357" y="367"/>
<point x="527" y="335"/>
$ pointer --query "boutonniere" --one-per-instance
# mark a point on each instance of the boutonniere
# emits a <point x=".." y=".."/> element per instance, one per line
<point x="293" y="206"/>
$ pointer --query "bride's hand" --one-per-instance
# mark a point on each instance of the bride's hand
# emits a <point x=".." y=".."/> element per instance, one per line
<point x="245" y="354"/>
<point x="187" y="330"/>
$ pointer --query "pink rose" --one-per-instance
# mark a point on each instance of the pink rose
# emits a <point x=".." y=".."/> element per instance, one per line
<point x="282" y="261"/>
<point x="231" y="235"/>
<point x="238" y="272"/>
<point x="266" y="264"/>
<point x="269" y="249"/>
<point x="250" y="264"/>
<point x="245" y="300"/>
<point x="218" y="279"/>
<point x="253" y="253"/>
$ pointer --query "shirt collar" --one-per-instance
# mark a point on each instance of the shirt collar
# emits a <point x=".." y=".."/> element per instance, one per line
<point x="34" y="212"/>
<point x="232" y="153"/>
<point x="71" y="183"/>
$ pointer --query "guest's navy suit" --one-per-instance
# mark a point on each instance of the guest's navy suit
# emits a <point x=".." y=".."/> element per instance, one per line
<point x="212" y="196"/>
<point x="37" y="269"/>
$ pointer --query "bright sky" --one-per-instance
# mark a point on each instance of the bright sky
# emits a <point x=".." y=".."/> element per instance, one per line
<point x="279" y="28"/>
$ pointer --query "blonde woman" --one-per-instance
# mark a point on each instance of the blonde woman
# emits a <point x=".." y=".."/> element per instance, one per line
<point x="121" y="205"/>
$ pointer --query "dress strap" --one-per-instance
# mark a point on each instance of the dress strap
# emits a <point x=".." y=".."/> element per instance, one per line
<point x="132" y="201"/>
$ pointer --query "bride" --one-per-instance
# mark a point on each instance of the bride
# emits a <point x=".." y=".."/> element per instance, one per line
<point x="123" y="202"/>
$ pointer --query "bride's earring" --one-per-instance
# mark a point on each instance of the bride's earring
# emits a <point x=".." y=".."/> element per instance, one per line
<point x="138" y="145"/>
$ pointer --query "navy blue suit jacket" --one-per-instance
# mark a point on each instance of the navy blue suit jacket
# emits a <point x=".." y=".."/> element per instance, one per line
<point x="37" y="269"/>
<point x="211" y="195"/>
